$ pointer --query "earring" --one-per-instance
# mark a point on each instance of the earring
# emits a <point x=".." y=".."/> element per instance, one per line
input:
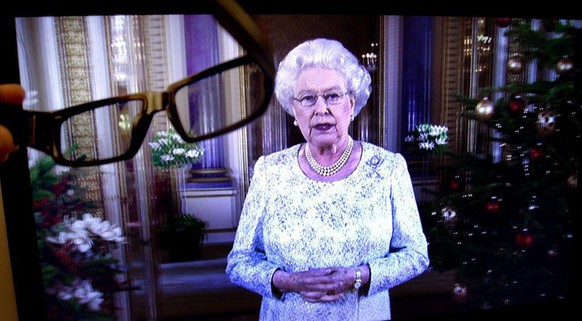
<point x="295" y="122"/>
<point x="352" y="117"/>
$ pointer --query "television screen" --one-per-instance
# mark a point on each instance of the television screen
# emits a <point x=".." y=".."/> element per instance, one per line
<point x="142" y="127"/>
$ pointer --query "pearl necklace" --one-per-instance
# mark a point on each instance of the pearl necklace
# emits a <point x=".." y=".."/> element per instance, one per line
<point x="333" y="168"/>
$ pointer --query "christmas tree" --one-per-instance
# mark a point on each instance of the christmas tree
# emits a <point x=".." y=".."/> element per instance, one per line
<point x="505" y="222"/>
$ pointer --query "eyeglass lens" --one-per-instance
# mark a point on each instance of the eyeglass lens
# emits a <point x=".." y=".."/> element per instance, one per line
<point x="102" y="133"/>
<point x="219" y="101"/>
<point x="206" y="106"/>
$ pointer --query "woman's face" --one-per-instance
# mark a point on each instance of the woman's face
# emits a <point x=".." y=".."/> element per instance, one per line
<point x="324" y="123"/>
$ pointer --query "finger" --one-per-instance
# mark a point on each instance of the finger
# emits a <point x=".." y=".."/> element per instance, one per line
<point x="316" y="272"/>
<point x="312" y="296"/>
<point x="338" y="288"/>
<point x="12" y="94"/>
<point x="324" y="280"/>
<point x="6" y="144"/>
<point x="315" y="283"/>
<point x="331" y="297"/>
<point x="318" y="284"/>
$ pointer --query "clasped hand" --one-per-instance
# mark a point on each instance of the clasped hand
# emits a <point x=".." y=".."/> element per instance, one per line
<point x="316" y="285"/>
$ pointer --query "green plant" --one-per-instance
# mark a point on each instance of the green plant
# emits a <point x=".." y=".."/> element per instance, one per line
<point x="182" y="237"/>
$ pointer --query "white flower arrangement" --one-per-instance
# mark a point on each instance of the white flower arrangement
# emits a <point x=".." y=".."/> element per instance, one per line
<point x="80" y="235"/>
<point x="80" y="290"/>
<point x="170" y="151"/>
<point x="87" y="241"/>
<point x="80" y="272"/>
<point x="427" y="138"/>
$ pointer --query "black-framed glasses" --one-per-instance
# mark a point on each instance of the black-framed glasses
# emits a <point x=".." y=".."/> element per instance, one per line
<point x="330" y="98"/>
<point x="207" y="104"/>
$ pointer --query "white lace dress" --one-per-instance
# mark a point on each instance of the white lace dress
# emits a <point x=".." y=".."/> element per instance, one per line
<point x="294" y="223"/>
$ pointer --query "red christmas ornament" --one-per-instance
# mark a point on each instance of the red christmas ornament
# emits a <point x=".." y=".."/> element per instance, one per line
<point x="503" y="22"/>
<point x="454" y="185"/>
<point x="492" y="206"/>
<point x="517" y="105"/>
<point x="536" y="153"/>
<point x="523" y="239"/>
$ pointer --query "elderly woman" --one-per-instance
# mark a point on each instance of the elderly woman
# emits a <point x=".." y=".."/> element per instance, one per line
<point x="328" y="226"/>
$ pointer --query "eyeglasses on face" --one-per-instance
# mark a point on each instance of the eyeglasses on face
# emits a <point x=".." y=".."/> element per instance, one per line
<point x="199" y="107"/>
<point x="330" y="98"/>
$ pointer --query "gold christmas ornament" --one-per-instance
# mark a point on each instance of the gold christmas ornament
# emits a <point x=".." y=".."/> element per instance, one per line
<point x="515" y="64"/>
<point x="564" y="66"/>
<point x="572" y="181"/>
<point x="546" y="123"/>
<point x="484" y="109"/>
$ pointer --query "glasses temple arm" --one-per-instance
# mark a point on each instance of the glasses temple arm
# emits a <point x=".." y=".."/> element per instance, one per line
<point x="242" y="27"/>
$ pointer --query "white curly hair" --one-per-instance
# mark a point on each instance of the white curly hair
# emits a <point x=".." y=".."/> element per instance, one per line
<point x="328" y="54"/>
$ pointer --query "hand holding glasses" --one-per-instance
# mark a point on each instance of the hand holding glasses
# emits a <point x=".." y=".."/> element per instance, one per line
<point x="11" y="94"/>
<point x="201" y="106"/>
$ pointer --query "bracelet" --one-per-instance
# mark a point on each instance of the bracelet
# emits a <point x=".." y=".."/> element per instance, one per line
<point x="358" y="281"/>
